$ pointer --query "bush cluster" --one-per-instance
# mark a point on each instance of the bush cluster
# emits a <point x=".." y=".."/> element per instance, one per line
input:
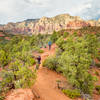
<point x="98" y="65"/>
<point x="98" y="89"/>
<point x="51" y="63"/>
<point x="72" y="93"/>
<point x="73" y="58"/>
<point x="17" y="55"/>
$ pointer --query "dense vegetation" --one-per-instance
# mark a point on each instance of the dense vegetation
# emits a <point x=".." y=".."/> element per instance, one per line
<point x="16" y="56"/>
<point x="74" y="57"/>
<point x="76" y="53"/>
<point x="84" y="30"/>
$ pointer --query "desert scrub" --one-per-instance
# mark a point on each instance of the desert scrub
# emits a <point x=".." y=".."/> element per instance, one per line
<point x="65" y="34"/>
<point x="2" y="97"/>
<point x="31" y="61"/>
<point x="72" y="93"/>
<point x="40" y="51"/>
<point x="97" y="73"/>
<point x="37" y="49"/>
<point x="98" y="65"/>
<point x="98" y="89"/>
<point x="51" y="63"/>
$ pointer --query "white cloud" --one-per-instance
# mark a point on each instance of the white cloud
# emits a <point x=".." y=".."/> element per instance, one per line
<point x="37" y="2"/>
<point x="80" y="8"/>
<point x="92" y="12"/>
<point x="18" y="10"/>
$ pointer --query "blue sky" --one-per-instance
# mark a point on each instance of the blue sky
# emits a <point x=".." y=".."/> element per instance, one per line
<point x="19" y="10"/>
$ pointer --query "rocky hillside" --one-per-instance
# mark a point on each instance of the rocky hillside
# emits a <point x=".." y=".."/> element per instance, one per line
<point x="48" y="25"/>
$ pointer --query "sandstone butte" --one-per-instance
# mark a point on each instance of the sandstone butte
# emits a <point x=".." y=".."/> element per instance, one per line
<point x="46" y="25"/>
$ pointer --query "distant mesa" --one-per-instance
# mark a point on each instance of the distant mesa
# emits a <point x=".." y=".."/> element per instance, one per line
<point x="31" y="20"/>
<point x="48" y="25"/>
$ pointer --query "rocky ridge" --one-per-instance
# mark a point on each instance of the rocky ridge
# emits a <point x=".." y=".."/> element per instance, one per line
<point x="48" y="25"/>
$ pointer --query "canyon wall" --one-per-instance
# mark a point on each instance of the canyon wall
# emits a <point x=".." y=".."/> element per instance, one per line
<point x="48" y="25"/>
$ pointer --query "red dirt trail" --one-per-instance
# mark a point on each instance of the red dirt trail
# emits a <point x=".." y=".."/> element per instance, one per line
<point x="46" y="85"/>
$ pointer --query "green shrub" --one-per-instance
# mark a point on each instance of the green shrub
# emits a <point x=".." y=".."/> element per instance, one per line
<point x="98" y="89"/>
<point x="92" y="44"/>
<point x="18" y="84"/>
<point x="40" y="51"/>
<point x="98" y="58"/>
<point x="37" y="49"/>
<point x="75" y="34"/>
<point x="75" y="62"/>
<point x="98" y="34"/>
<point x="99" y="92"/>
<point x="60" y="43"/>
<point x="55" y="36"/>
<point x="98" y="65"/>
<point x="18" y="76"/>
<point x="37" y="66"/>
<point x="32" y="61"/>
<point x="33" y="40"/>
<point x="72" y="93"/>
<point x="3" y="58"/>
<point x="17" y="54"/>
<point x="2" y="97"/>
<point x="97" y="73"/>
<point x="51" y="63"/>
<point x="65" y="34"/>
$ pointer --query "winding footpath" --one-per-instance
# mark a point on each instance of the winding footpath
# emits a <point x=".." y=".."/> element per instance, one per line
<point x="45" y="84"/>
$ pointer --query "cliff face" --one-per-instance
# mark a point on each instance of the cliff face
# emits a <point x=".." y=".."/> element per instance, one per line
<point x="48" y="25"/>
<point x="77" y="24"/>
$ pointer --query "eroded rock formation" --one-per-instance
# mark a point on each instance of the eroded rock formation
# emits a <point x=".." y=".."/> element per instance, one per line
<point x="48" y="25"/>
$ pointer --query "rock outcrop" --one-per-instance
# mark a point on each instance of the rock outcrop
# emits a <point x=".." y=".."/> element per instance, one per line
<point x="77" y="24"/>
<point x="48" y="25"/>
<point x="21" y="94"/>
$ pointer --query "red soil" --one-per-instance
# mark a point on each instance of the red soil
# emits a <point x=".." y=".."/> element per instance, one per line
<point x="0" y="69"/>
<point x="95" y="95"/>
<point x="20" y="94"/>
<point x="46" y="85"/>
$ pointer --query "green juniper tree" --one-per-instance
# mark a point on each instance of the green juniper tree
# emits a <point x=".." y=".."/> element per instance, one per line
<point x="75" y="62"/>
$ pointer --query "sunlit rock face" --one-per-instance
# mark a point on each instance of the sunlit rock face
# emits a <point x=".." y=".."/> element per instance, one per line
<point x="48" y="25"/>
<point x="21" y="94"/>
<point x="77" y="24"/>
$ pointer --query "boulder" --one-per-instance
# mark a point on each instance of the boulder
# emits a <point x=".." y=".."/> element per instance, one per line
<point x="21" y="94"/>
